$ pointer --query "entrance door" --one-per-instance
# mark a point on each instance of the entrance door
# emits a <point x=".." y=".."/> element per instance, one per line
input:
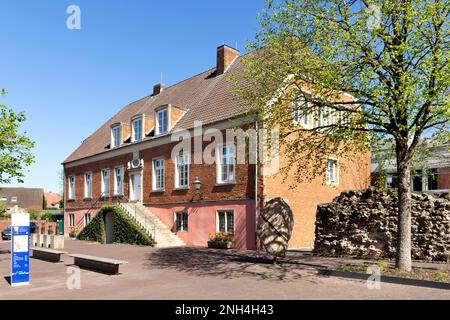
<point x="136" y="187"/>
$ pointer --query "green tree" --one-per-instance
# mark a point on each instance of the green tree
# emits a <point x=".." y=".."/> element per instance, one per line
<point x="370" y="72"/>
<point x="15" y="148"/>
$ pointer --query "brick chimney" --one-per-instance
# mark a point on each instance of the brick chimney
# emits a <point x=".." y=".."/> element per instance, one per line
<point x="158" y="88"/>
<point x="225" y="57"/>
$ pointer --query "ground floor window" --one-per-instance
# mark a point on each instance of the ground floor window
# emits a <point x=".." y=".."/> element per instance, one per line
<point x="87" y="219"/>
<point x="181" y="221"/>
<point x="332" y="172"/>
<point x="225" y="221"/>
<point x="433" y="180"/>
<point x="71" y="220"/>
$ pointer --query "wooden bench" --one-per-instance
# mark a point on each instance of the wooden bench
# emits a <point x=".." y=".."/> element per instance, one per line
<point x="47" y="254"/>
<point x="104" y="265"/>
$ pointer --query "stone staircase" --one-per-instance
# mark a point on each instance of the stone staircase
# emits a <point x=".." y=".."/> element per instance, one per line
<point x="152" y="225"/>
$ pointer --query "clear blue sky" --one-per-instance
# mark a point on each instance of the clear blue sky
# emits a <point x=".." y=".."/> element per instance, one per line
<point x="69" y="82"/>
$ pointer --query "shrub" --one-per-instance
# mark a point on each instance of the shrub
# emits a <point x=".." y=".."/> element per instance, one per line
<point x="125" y="229"/>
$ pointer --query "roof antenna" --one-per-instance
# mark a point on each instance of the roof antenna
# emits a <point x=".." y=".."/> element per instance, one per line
<point x="161" y="77"/>
<point x="236" y="45"/>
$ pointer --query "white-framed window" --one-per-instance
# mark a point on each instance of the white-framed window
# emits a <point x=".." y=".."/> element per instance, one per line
<point x="116" y="133"/>
<point x="86" y="219"/>
<point x="182" y="170"/>
<point x="225" y="221"/>
<point x="181" y="220"/>
<point x="13" y="199"/>
<point x="332" y="172"/>
<point x="71" y="187"/>
<point x="162" y="121"/>
<point x="158" y="174"/>
<point x="88" y="184"/>
<point x="225" y="159"/>
<point x="118" y="181"/>
<point x="105" y="182"/>
<point x="137" y="130"/>
<point x="301" y="117"/>
<point x="71" y="222"/>
<point x="324" y="116"/>
<point x="3" y="198"/>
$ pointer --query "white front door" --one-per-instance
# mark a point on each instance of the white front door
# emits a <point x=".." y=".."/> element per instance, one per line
<point x="135" y="187"/>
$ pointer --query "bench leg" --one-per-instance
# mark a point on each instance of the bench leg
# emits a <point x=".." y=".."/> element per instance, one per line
<point x="97" y="266"/>
<point x="51" y="257"/>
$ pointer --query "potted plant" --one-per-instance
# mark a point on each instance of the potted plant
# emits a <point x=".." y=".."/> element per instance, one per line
<point x="73" y="233"/>
<point x="221" y="240"/>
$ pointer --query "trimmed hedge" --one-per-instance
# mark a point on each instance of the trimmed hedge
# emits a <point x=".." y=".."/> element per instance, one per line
<point x="95" y="230"/>
<point x="125" y="229"/>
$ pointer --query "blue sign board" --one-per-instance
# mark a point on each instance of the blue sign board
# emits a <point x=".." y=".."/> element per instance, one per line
<point x="20" y="249"/>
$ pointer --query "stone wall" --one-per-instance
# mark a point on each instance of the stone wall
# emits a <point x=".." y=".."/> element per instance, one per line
<point x="364" y="223"/>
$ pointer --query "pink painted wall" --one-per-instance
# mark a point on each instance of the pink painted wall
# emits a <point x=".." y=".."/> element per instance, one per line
<point x="79" y="215"/>
<point x="202" y="221"/>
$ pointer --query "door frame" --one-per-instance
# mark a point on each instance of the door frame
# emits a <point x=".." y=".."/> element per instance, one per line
<point x="132" y="187"/>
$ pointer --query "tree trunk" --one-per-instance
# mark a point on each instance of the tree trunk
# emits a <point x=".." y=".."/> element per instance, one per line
<point x="403" y="260"/>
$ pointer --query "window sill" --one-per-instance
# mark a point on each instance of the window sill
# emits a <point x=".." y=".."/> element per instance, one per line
<point x="332" y="184"/>
<point x="87" y="198"/>
<point x="159" y="191"/>
<point x="224" y="184"/>
<point x="181" y="189"/>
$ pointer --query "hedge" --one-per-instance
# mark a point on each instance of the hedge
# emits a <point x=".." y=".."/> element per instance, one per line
<point x="125" y="229"/>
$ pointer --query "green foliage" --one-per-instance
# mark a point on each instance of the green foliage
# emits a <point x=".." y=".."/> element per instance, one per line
<point x="48" y="216"/>
<point x="125" y="229"/>
<point x="95" y="230"/>
<point x="2" y="210"/>
<point x="34" y="215"/>
<point x="391" y="57"/>
<point x="15" y="148"/>
<point x="442" y="275"/>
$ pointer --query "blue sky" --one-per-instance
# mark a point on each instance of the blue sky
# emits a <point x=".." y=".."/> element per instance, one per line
<point x="69" y="82"/>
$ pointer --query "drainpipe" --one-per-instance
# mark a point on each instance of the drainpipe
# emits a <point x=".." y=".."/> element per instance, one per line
<point x="65" y="199"/>
<point x="256" y="181"/>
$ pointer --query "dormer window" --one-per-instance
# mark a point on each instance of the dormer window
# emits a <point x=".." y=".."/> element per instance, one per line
<point x="116" y="134"/>
<point x="162" y="121"/>
<point x="137" y="131"/>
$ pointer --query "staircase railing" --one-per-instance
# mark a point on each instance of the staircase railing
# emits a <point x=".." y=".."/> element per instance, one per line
<point x="104" y="198"/>
<point x="136" y="212"/>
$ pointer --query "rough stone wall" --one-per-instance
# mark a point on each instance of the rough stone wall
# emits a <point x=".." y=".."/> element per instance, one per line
<point x="364" y="223"/>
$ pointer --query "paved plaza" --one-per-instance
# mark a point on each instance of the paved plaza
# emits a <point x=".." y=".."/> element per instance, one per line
<point x="196" y="273"/>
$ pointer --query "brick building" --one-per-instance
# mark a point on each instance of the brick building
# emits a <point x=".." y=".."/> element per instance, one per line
<point x="430" y="174"/>
<point x="31" y="199"/>
<point x="131" y="159"/>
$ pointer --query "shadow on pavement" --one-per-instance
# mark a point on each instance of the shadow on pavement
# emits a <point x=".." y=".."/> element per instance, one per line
<point x="229" y="264"/>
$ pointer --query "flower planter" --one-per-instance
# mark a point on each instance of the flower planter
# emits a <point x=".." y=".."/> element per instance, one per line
<point x="220" y="244"/>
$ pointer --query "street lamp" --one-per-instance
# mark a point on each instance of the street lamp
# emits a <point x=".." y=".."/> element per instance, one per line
<point x="197" y="185"/>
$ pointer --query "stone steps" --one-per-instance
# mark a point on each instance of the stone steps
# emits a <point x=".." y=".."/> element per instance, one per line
<point x="152" y="225"/>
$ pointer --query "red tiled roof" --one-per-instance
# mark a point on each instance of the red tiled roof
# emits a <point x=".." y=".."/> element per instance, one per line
<point x="205" y="97"/>
<point x="52" y="198"/>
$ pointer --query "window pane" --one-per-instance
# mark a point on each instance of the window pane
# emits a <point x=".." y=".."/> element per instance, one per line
<point x="221" y="221"/>
<point x="230" y="222"/>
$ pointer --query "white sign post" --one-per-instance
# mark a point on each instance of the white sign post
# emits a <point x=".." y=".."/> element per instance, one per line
<point x="20" y="249"/>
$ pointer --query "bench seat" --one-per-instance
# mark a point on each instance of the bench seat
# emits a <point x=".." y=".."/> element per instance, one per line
<point x="100" y="264"/>
<point x="46" y="254"/>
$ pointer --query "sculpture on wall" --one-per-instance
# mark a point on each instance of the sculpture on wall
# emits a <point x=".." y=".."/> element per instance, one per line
<point x="275" y="224"/>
